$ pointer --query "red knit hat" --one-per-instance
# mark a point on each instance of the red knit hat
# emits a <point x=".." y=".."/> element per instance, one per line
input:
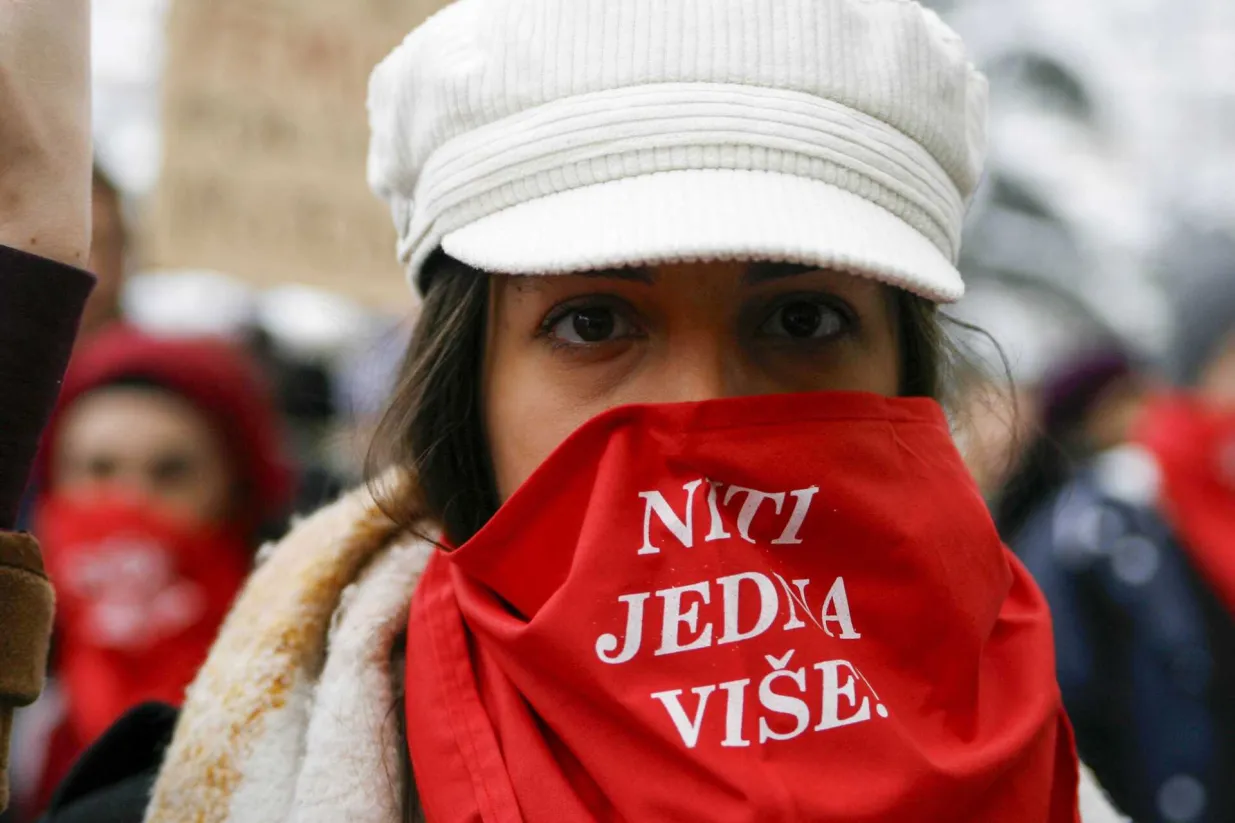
<point x="216" y="377"/>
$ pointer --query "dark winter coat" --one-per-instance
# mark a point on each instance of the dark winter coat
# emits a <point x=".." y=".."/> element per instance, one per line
<point x="1145" y="652"/>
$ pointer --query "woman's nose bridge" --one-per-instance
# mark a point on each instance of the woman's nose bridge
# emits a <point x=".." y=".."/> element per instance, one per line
<point x="702" y="366"/>
<point x="127" y="484"/>
<point x="135" y="480"/>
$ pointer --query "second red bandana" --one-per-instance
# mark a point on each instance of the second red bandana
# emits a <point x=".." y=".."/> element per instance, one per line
<point x="1194" y="446"/>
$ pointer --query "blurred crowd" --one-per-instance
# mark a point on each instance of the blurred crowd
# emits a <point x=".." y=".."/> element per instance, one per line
<point x="200" y="414"/>
<point x="1112" y="476"/>
<point x="1096" y="406"/>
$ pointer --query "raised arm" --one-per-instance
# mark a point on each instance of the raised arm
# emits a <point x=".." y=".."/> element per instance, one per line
<point x="44" y="235"/>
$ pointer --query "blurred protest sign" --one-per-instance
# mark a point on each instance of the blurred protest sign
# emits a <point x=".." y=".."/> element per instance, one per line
<point x="265" y="143"/>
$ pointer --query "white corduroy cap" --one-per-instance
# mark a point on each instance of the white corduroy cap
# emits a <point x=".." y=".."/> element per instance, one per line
<point x="552" y="136"/>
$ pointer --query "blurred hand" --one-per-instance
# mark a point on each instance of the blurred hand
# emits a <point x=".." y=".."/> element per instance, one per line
<point x="45" y="141"/>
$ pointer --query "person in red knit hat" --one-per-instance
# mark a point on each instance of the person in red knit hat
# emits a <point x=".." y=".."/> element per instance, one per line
<point x="159" y="468"/>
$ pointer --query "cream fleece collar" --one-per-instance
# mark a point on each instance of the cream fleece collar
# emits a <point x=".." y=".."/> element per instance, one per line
<point x="292" y="717"/>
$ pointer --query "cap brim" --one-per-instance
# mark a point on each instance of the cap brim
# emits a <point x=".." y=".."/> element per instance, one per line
<point x="706" y="215"/>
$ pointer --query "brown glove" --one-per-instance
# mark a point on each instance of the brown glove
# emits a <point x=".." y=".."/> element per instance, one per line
<point x="26" y="606"/>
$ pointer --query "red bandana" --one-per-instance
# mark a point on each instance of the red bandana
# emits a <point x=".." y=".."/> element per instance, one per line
<point x="140" y="598"/>
<point x="768" y="608"/>
<point x="1195" y="449"/>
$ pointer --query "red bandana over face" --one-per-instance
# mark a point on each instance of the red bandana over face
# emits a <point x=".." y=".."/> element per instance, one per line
<point x="1195" y="449"/>
<point x="140" y="597"/>
<point x="778" y="608"/>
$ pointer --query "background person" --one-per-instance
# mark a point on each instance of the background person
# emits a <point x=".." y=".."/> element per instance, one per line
<point x="108" y="255"/>
<point x="162" y="464"/>
<point x="1136" y="559"/>
<point x="1089" y="404"/>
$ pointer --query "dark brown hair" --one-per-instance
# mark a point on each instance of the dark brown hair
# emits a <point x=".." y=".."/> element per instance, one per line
<point x="434" y="434"/>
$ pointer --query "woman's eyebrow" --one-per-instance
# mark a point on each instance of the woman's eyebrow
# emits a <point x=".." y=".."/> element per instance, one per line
<point x="535" y="282"/>
<point x="633" y="273"/>
<point x="762" y="272"/>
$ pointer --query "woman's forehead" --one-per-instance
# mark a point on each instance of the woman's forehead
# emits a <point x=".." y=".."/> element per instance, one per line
<point x="135" y="417"/>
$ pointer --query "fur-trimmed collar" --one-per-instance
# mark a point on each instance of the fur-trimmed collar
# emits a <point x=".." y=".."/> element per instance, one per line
<point x="292" y="716"/>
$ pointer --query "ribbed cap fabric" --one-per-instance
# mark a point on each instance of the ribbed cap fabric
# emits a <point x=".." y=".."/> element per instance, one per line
<point x="837" y="132"/>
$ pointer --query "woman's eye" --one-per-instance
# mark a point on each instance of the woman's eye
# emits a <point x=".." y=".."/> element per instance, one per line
<point x="101" y="468"/>
<point x="804" y="320"/>
<point x="171" y="469"/>
<point x="595" y="324"/>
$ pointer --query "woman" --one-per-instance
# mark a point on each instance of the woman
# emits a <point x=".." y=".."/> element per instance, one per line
<point x="161" y="464"/>
<point x="674" y="531"/>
